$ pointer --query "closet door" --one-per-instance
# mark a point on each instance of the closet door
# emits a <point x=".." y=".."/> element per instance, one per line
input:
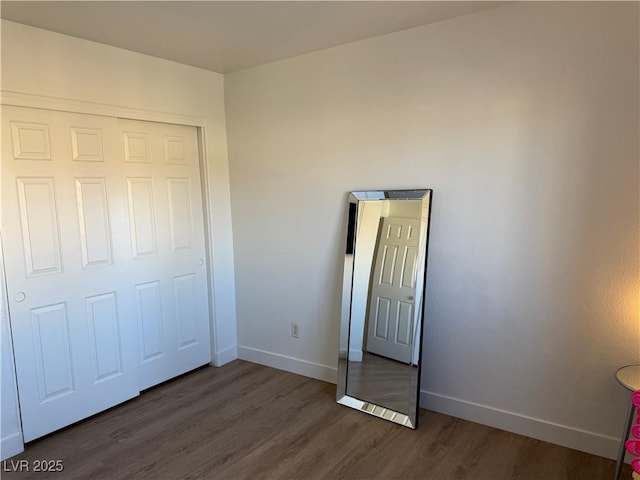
<point x="67" y="254"/>
<point x="167" y="248"/>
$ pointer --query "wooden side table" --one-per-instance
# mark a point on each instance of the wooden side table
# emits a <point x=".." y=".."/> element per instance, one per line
<point x="629" y="378"/>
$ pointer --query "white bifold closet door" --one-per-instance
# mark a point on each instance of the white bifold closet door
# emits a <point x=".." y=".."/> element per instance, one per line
<point x="104" y="255"/>
<point x="167" y="248"/>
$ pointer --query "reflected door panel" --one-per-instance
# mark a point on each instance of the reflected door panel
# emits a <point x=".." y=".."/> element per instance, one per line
<point x="393" y="289"/>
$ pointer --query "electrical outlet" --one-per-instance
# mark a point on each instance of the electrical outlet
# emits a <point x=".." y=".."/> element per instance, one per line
<point x="295" y="330"/>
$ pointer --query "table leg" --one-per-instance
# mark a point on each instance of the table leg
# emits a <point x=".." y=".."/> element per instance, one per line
<point x="625" y="436"/>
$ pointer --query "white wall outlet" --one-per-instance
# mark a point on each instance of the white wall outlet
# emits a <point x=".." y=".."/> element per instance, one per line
<point x="295" y="330"/>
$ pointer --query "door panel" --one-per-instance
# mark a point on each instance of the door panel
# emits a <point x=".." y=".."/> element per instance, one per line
<point x="143" y="230"/>
<point x="149" y="311"/>
<point x="180" y="215"/>
<point x="30" y="141"/>
<point x="70" y="298"/>
<point x="93" y="220"/>
<point x="102" y="314"/>
<point x="52" y="350"/>
<point x="136" y="147"/>
<point x="86" y="144"/>
<point x="186" y="301"/>
<point x="39" y="225"/>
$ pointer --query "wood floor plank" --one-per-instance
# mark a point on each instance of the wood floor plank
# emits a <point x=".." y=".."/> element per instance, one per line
<point x="246" y="421"/>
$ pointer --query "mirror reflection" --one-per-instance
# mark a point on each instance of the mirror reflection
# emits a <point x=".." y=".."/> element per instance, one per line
<point x="382" y="307"/>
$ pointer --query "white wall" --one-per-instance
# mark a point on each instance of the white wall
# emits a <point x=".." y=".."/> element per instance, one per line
<point x="524" y="120"/>
<point x="368" y="223"/>
<point x="38" y="62"/>
<point x="10" y="427"/>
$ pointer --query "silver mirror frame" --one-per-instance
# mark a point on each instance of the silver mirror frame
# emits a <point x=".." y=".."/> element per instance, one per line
<point x="411" y="419"/>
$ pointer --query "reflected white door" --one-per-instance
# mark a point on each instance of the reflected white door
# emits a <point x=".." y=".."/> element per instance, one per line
<point x="393" y="290"/>
<point x="167" y="248"/>
<point x="64" y="227"/>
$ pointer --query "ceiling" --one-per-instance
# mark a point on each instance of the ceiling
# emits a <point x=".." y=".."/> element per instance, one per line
<point x="232" y="35"/>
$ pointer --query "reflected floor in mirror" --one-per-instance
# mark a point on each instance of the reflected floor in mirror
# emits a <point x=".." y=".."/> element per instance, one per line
<point x="381" y="381"/>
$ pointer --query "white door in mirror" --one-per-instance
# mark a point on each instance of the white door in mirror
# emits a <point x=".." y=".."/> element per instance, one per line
<point x="393" y="289"/>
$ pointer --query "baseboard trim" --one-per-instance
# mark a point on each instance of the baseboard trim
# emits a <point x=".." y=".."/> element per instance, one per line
<point x="11" y="445"/>
<point x="559" y="434"/>
<point x="289" y="364"/>
<point x="564" y="435"/>
<point x="225" y="356"/>
<point x="355" y="355"/>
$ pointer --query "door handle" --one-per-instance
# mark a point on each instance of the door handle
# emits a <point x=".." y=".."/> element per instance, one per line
<point x="19" y="297"/>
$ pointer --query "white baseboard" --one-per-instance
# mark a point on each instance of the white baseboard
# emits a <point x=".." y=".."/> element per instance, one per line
<point x="11" y="445"/>
<point x="289" y="364"/>
<point x="355" y="355"/>
<point x="225" y="356"/>
<point x="571" y="437"/>
<point x="564" y="435"/>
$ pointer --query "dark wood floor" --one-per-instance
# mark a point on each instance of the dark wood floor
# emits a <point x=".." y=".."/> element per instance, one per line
<point x="245" y="421"/>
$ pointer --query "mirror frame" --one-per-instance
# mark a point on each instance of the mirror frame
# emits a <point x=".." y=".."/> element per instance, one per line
<point x="355" y="197"/>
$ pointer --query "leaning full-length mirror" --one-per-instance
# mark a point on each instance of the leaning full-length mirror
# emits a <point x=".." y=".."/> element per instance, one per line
<point x="383" y="303"/>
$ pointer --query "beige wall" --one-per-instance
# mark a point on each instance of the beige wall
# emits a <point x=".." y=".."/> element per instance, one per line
<point x="524" y="120"/>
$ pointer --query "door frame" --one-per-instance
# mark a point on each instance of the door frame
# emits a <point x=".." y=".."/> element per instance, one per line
<point x="19" y="99"/>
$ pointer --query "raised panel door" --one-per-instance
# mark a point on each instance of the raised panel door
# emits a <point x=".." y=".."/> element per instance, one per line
<point x="161" y="164"/>
<point x="393" y="292"/>
<point x="71" y="302"/>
